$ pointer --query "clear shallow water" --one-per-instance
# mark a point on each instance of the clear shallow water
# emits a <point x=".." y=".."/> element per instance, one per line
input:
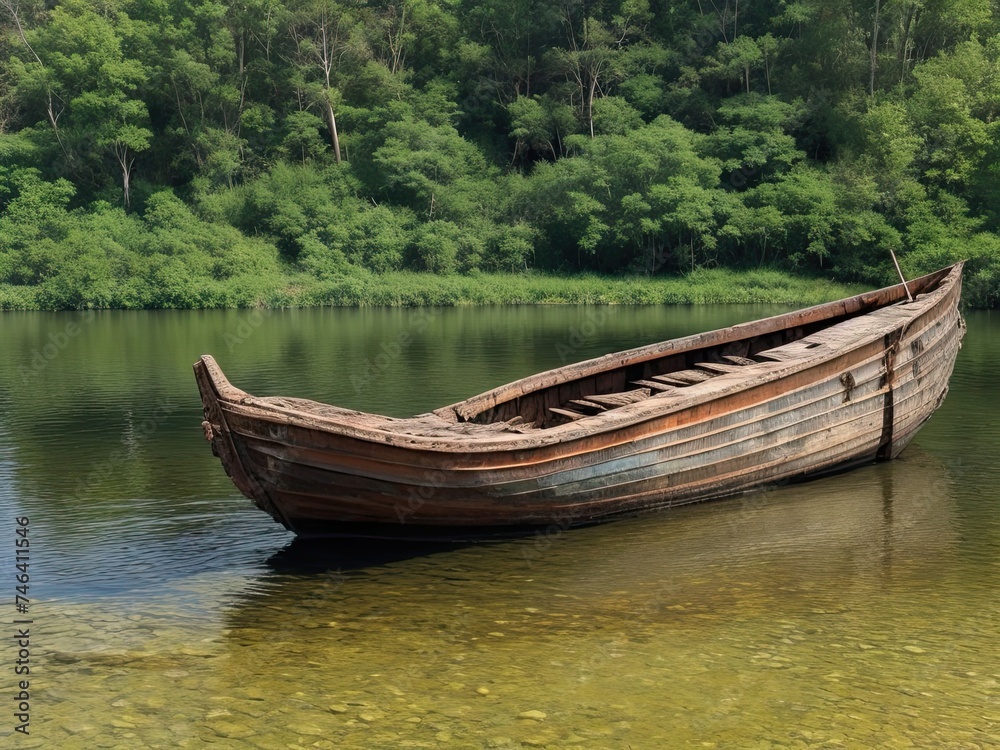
<point x="855" y="611"/>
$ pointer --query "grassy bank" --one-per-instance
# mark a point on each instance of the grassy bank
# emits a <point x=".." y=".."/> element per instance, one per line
<point x="407" y="289"/>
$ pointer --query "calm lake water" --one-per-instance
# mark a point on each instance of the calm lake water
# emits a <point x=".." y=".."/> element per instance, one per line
<point x="858" y="611"/>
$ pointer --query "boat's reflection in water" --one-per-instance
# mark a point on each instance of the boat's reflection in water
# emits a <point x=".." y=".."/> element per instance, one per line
<point x="313" y="556"/>
<point x="825" y="536"/>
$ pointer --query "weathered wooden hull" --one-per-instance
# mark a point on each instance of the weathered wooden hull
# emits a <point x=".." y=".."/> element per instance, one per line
<point x="833" y="386"/>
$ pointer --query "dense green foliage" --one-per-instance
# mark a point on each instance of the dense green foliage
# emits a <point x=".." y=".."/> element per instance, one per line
<point x="208" y="152"/>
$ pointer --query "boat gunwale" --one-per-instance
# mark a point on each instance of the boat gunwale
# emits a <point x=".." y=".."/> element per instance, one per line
<point x="391" y="431"/>
<point x="517" y="460"/>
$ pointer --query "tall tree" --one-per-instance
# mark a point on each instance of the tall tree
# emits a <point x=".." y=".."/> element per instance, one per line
<point x="325" y="32"/>
<point x="79" y="57"/>
<point x="592" y="57"/>
<point x="53" y="107"/>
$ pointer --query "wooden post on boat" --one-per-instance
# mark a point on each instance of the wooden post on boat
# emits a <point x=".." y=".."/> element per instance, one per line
<point x="900" y="272"/>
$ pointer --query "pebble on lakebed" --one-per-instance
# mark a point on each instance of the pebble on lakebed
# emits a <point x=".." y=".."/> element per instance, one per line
<point x="534" y="715"/>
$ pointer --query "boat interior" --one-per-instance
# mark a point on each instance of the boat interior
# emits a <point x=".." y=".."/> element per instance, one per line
<point x="639" y="380"/>
<point x="654" y="371"/>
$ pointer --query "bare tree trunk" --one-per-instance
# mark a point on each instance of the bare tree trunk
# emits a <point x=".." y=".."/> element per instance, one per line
<point x="904" y="53"/>
<point x="326" y="60"/>
<point x="590" y="104"/>
<point x="125" y="163"/>
<point x="50" y="111"/>
<point x="331" y="121"/>
<point x="721" y="13"/>
<point x="396" y="43"/>
<point x="874" y="51"/>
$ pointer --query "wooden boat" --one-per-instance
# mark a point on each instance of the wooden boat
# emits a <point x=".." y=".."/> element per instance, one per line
<point x="694" y="418"/>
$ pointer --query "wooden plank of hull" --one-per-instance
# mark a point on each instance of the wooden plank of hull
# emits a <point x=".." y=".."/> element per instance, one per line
<point x="728" y="428"/>
<point x="744" y="423"/>
<point x="426" y="508"/>
<point x="822" y="419"/>
<point x="700" y="463"/>
<point x="311" y="513"/>
<point x="807" y="443"/>
<point x="832" y="398"/>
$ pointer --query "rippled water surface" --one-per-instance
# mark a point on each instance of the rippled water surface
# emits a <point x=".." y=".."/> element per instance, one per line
<point x="857" y="611"/>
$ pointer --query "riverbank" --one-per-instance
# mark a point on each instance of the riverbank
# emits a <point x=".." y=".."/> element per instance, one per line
<point x="409" y="289"/>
